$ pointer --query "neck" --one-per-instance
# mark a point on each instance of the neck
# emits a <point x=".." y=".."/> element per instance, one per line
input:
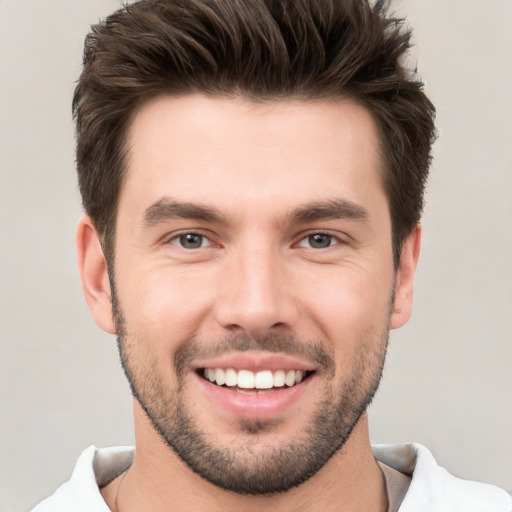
<point x="351" y="481"/>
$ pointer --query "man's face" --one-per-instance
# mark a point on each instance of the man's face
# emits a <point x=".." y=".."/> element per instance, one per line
<point x="253" y="249"/>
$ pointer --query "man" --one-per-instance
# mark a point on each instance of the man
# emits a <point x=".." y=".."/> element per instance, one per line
<point x="252" y="174"/>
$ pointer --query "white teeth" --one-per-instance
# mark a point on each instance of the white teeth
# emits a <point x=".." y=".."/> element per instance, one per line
<point x="220" y="376"/>
<point x="231" y="377"/>
<point x="279" y="379"/>
<point x="264" y="380"/>
<point x="245" y="379"/>
<point x="289" y="380"/>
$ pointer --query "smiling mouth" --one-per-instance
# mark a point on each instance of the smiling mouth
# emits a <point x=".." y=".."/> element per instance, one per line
<point x="246" y="381"/>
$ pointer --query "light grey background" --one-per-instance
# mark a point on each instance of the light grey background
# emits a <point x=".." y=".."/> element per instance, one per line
<point x="448" y="380"/>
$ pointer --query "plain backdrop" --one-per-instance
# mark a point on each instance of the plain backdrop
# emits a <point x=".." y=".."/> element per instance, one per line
<point x="448" y="379"/>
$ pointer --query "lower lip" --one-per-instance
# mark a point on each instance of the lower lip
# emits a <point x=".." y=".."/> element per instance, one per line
<point x="254" y="406"/>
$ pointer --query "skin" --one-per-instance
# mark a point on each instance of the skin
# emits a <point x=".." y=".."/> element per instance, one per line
<point x="256" y="275"/>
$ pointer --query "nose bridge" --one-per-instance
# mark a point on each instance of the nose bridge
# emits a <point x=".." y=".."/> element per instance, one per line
<point x="252" y="295"/>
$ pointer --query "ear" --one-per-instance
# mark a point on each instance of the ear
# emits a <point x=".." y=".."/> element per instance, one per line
<point x="94" y="275"/>
<point x="402" y="307"/>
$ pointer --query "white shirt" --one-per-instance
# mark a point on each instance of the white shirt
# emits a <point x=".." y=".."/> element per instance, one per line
<point x="432" y="488"/>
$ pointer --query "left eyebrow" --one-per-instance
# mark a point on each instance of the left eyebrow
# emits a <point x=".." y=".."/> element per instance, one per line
<point x="328" y="210"/>
<point x="167" y="208"/>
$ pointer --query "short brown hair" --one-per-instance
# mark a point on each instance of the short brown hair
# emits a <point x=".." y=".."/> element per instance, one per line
<point x="261" y="49"/>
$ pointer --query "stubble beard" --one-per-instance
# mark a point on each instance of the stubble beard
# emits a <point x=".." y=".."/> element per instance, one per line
<point x="249" y="467"/>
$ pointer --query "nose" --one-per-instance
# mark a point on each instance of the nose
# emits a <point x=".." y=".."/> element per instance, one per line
<point x="255" y="294"/>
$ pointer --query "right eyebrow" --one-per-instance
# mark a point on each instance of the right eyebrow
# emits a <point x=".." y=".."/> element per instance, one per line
<point x="167" y="208"/>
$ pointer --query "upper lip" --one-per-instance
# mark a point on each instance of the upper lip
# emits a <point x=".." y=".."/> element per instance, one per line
<point x="255" y="362"/>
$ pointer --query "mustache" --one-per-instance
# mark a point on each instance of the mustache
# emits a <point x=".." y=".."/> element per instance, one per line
<point x="287" y="344"/>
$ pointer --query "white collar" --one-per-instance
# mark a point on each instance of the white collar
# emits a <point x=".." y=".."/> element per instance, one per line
<point x="432" y="488"/>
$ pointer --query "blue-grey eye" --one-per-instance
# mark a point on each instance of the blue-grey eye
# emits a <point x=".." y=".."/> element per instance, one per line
<point x="191" y="240"/>
<point x="320" y="240"/>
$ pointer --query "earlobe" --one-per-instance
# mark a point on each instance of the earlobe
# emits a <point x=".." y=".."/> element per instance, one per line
<point x="402" y="306"/>
<point x="94" y="275"/>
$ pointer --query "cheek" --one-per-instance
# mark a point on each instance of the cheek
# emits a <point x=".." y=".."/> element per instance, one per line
<point x="350" y="297"/>
<point x="164" y="306"/>
<point x="351" y="311"/>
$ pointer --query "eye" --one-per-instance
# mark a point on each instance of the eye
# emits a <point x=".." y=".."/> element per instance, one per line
<point x="190" y="241"/>
<point x="318" y="241"/>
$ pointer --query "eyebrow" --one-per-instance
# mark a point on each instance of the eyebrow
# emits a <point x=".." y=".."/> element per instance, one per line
<point x="166" y="209"/>
<point x="328" y="210"/>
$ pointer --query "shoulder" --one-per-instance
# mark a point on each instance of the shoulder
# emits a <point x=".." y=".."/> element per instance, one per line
<point x="434" y="489"/>
<point x="81" y="493"/>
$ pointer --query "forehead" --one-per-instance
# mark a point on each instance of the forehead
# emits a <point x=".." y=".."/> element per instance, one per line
<point x="223" y="149"/>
